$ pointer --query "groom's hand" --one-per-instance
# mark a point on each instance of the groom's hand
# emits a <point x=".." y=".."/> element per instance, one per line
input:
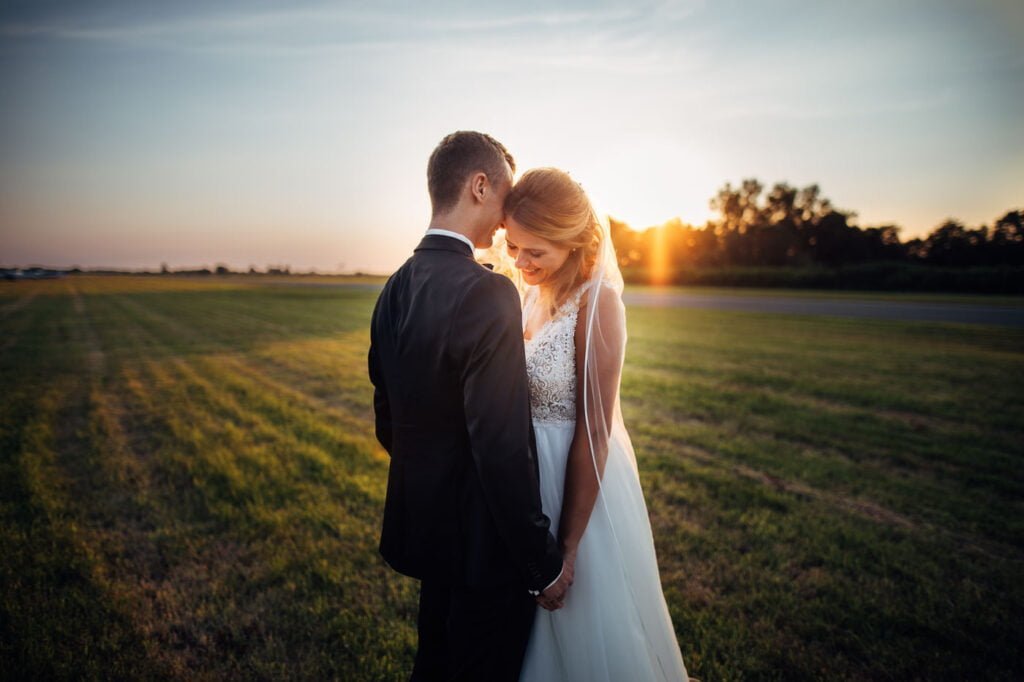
<point x="553" y="598"/>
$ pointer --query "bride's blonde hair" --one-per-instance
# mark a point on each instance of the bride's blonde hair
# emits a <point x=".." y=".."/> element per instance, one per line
<point x="549" y="204"/>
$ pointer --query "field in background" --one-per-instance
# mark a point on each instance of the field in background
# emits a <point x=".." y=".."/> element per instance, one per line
<point x="189" y="487"/>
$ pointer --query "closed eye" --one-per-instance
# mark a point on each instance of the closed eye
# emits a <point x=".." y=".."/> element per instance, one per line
<point x="532" y="252"/>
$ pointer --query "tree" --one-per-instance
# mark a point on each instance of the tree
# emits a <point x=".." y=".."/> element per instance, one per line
<point x="833" y="241"/>
<point x="776" y="229"/>
<point x="1006" y="240"/>
<point x="789" y="226"/>
<point x="883" y="243"/>
<point x="738" y="207"/>
<point x="952" y="244"/>
<point x="626" y="242"/>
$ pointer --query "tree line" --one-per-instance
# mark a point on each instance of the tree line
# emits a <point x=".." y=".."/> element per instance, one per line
<point x="773" y="236"/>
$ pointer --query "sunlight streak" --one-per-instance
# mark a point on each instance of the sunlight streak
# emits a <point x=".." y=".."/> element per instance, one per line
<point x="659" y="265"/>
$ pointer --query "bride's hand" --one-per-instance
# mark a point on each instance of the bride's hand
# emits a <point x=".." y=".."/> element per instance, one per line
<point x="553" y="598"/>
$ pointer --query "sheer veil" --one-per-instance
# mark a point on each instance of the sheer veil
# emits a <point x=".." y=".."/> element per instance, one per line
<point x="604" y="355"/>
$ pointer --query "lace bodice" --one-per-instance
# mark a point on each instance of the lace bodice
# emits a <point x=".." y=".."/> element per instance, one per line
<point x="551" y="362"/>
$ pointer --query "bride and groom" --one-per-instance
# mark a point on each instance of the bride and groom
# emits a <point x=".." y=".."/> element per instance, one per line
<point x="512" y="481"/>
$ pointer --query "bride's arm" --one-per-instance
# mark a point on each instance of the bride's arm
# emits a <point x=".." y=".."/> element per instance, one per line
<point x="590" y="450"/>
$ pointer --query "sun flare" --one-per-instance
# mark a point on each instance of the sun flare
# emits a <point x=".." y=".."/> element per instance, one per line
<point x="659" y="264"/>
<point x="648" y="181"/>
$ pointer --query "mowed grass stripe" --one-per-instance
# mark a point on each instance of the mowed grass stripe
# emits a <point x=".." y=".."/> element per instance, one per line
<point x="313" y="311"/>
<point x="762" y="576"/>
<point x="829" y="448"/>
<point x="969" y="475"/>
<point x="320" y="419"/>
<point x="841" y="461"/>
<point x="82" y="628"/>
<point x="211" y="427"/>
<point x="304" y="419"/>
<point x="15" y="326"/>
<point x="11" y="306"/>
<point x="838" y="360"/>
<point x="205" y="416"/>
<point x="225" y="318"/>
<point x="332" y="370"/>
<point x="350" y="396"/>
<point x="224" y="592"/>
<point x="699" y="404"/>
<point x="809" y="483"/>
<point x="742" y="587"/>
<point x="153" y="575"/>
<point x="299" y="436"/>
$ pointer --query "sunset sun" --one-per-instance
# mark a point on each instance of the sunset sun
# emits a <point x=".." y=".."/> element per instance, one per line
<point x="647" y="180"/>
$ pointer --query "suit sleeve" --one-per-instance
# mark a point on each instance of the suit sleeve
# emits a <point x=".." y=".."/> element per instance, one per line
<point x="489" y="340"/>
<point x="381" y="407"/>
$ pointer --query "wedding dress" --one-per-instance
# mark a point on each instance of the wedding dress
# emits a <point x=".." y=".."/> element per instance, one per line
<point x="615" y="625"/>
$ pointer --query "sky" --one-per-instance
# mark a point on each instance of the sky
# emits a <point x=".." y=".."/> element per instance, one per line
<point x="297" y="133"/>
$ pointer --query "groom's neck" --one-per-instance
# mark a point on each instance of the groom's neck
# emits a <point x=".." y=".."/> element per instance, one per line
<point x="454" y="221"/>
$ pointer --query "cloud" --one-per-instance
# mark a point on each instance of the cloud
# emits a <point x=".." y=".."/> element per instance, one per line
<point x="315" y="28"/>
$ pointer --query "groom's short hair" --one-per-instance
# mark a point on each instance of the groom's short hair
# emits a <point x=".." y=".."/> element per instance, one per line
<point x="458" y="156"/>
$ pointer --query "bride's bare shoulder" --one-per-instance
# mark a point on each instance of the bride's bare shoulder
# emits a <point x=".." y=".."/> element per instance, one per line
<point x="609" y="300"/>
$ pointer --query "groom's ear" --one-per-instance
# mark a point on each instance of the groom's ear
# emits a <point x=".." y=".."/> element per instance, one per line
<point x="479" y="186"/>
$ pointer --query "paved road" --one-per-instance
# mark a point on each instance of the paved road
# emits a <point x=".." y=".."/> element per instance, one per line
<point x="973" y="313"/>
<point x="1006" y="316"/>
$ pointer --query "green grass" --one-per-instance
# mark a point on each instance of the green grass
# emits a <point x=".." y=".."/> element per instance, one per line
<point x="189" y="488"/>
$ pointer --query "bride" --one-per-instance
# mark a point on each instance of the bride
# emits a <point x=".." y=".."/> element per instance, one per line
<point x="613" y="624"/>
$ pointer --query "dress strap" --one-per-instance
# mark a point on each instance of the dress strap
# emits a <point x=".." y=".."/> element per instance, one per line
<point x="571" y="302"/>
<point x="580" y="290"/>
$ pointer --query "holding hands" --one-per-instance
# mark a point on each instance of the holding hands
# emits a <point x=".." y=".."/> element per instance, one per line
<point x="553" y="598"/>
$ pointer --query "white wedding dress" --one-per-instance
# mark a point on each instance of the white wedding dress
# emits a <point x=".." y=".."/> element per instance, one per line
<point x="615" y="625"/>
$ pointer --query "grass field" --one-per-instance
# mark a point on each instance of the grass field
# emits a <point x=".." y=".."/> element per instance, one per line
<point x="189" y="488"/>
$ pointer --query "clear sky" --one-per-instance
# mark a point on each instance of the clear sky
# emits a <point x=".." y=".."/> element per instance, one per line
<point x="256" y="133"/>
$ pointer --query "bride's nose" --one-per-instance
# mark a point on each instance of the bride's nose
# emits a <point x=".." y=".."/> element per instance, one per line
<point x="521" y="260"/>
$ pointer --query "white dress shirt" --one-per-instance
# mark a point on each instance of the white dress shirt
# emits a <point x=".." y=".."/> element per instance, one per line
<point x="454" y="235"/>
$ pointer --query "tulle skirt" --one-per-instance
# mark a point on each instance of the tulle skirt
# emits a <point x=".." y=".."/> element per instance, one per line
<point x="614" y="625"/>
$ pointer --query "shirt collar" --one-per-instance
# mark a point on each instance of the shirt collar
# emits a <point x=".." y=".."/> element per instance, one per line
<point x="454" y="235"/>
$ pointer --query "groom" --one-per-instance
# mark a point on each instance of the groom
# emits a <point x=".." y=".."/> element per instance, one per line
<point x="463" y="511"/>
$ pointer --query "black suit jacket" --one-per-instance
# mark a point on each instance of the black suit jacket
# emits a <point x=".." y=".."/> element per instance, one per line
<point x="453" y="410"/>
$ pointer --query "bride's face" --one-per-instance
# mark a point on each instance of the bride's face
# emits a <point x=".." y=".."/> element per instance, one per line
<point x="537" y="258"/>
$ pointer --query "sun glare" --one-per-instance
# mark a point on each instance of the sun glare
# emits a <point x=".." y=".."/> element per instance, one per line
<point x="659" y="266"/>
<point x="646" y="182"/>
